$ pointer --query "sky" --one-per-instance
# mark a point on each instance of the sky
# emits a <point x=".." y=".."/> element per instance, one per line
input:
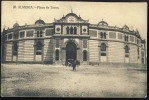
<point x="134" y="15"/>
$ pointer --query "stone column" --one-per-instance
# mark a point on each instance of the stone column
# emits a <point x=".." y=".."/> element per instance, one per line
<point x="79" y="51"/>
<point x="63" y="49"/>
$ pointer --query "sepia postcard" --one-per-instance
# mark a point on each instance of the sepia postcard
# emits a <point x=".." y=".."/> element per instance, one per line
<point x="73" y="49"/>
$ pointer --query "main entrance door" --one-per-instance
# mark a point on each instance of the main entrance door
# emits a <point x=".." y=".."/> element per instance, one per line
<point x="71" y="51"/>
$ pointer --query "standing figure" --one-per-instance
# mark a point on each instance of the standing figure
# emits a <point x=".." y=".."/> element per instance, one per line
<point x="74" y="65"/>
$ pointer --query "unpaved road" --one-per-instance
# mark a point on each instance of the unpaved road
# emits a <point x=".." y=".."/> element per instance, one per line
<point x="60" y="81"/>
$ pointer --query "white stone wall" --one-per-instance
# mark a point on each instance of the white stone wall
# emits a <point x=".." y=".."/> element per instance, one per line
<point x="48" y="54"/>
<point x="21" y="51"/>
<point x="93" y="51"/>
<point x="133" y="54"/>
<point x="115" y="52"/>
<point x="29" y="50"/>
<point x="9" y="51"/>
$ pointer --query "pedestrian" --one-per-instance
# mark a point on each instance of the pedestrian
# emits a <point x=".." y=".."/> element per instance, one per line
<point x="74" y="65"/>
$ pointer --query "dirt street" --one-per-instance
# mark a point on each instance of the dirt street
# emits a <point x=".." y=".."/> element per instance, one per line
<point x="39" y="80"/>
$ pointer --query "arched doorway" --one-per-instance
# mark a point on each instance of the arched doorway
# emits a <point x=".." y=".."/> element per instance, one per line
<point x="71" y="51"/>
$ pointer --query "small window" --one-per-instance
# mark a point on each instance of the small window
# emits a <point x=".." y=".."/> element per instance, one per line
<point x="29" y="33"/>
<point x="9" y="36"/>
<point x="132" y="38"/>
<point x="84" y="43"/>
<point x="101" y="35"/>
<point x="126" y="49"/>
<point x="93" y="33"/>
<point x="38" y="48"/>
<point x="22" y="34"/>
<point x="49" y="32"/>
<point x="75" y="30"/>
<point x="15" y="49"/>
<point x="38" y="45"/>
<point x="126" y="38"/>
<point x="39" y="33"/>
<point x="103" y="47"/>
<point x="119" y="36"/>
<point x="38" y="52"/>
<point x="84" y="55"/>
<point x="71" y="30"/>
<point x="104" y="35"/>
<point x="103" y="54"/>
<point x="126" y="55"/>
<point x="57" y="55"/>
<point x="67" y="29"/>
<point x="112" y="35"/>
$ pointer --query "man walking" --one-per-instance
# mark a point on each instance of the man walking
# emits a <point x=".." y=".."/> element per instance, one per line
<point x="74" y="65"/>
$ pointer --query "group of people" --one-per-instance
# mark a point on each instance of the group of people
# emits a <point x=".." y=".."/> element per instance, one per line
<point x="73" y="63"/>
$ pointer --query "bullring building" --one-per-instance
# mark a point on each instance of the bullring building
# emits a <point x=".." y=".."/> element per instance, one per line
<point x="72" y="37"/>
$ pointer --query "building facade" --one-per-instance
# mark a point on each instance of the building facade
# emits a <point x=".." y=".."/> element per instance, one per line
<point x="72" y="37"/>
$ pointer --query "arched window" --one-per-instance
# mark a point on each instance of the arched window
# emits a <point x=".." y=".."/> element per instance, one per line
<point x="126" y="38"/>
<point x="104" y="35"/>
<point x="75" y="30"/>
<point x="38" y="48"/>
<point x="67" y="29"/>
<point x="40" y="34"/>
<point x="101" y="35"/>
<point x="37" y="33"/>
<point x="126" y="49"/>
<point x="84" y="55"/>
<point x="103" y="47"/>
<point x="71" y="30"/>
<point x="57" y="55"/>
<point x="15" y="49"/>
